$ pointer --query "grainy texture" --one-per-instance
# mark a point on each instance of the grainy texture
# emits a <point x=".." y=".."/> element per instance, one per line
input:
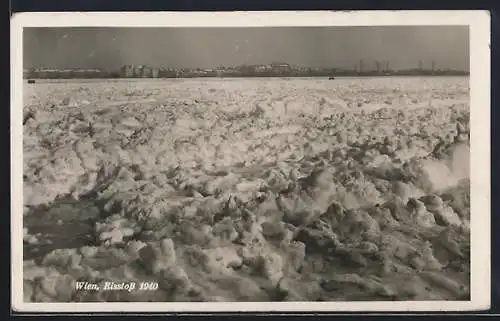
<point x="248" y="190"/>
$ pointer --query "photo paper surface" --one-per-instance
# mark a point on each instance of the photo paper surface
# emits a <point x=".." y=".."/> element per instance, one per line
<point x="250" y="161"/>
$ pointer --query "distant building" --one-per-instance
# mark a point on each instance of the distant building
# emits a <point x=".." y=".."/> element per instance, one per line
<point x="167" y="73"/>
<point x="147" y="72"/>
<point x="127" y="71"/>
<point x="66" y="73"/>
<point x="280" y="67"/>
<point x="138" y="70"/>
<point x="86" y="73"/>
<point x="261" y="68"/>
<point x="155" y="72"/>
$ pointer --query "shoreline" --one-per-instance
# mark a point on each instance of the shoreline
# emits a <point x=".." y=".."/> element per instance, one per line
<point x="251" y="77"/>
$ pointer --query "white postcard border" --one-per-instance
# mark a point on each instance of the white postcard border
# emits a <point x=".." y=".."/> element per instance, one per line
<point x="479" y="24"/>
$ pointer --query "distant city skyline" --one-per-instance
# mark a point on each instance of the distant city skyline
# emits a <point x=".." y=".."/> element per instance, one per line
<point x="340" y="47"/>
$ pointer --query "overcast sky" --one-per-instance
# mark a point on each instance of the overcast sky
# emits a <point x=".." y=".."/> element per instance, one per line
<point x="340" y="47"/>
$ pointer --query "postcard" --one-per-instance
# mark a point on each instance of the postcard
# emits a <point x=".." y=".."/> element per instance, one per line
<point x="250" y="161"/>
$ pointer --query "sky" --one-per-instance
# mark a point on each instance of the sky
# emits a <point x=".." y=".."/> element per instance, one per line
<point x="335" y="47"/>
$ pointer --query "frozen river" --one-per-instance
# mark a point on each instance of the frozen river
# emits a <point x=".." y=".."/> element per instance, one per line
<point x="248" y="189"/>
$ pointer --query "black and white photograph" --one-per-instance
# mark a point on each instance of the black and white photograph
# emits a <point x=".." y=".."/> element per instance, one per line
<point x="317" y="163"/>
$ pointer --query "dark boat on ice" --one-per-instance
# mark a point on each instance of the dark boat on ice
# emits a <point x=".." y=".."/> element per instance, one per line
<point x="31" y="81"/>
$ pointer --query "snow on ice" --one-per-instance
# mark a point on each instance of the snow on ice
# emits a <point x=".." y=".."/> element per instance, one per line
<point x="248" y="189"/>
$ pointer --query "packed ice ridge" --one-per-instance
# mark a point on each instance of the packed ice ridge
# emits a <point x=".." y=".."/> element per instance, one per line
<point x="248" y="190"/>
